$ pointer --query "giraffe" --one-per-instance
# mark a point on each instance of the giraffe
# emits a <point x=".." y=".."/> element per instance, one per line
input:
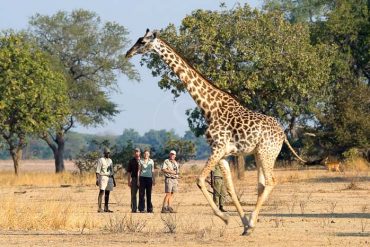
<point x="232" y="129"/>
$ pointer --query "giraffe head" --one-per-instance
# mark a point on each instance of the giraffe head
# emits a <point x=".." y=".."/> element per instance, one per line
<point x="143" y="44"/>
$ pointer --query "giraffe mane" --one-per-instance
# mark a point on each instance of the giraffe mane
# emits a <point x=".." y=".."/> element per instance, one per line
<point x="197" y="71"/>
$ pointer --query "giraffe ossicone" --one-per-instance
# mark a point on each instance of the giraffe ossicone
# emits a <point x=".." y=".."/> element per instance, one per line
<point x="232" y="129"/>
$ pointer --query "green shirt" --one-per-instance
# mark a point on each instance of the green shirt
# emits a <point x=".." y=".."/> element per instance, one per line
<point x="146" y="169"/>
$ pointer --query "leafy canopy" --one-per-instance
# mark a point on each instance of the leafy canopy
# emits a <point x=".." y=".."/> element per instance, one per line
<point x="32" y="93"/>
<point x="267" y="63"/>
<point x="92" y="55"/>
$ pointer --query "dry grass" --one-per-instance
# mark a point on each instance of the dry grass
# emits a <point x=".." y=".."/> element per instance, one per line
<point x="42" y="178"/>
<point x="15" y="214"/>
<point x="356" y="164"/>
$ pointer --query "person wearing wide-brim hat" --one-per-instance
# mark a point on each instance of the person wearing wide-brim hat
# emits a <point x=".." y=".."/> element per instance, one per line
<point x="105" y="180"/>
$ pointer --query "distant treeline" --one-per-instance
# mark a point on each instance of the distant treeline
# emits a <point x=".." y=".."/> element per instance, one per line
<point x="75" y="142"/>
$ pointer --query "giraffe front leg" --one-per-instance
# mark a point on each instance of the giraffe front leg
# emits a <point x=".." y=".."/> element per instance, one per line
<point x="212" y="161"/>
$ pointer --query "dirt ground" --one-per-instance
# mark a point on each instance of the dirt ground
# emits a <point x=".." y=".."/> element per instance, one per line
<point x="307" y="208"/>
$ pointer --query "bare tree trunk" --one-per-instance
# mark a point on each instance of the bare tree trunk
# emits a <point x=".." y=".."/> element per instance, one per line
<point x="57" y="146"/>
<point x="240" y="164"/>
<point x="16" y="155"/>
<point x="237" y="164"/>
<point x="59" y="154"/>
<point x="15" y="150"/>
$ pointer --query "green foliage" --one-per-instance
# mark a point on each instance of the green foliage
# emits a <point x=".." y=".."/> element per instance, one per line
<point x="86" y="161"/>
<point x="351" y="154"/>
<point x="202" y="148"/>
<point x="342" y="115"/>
<point x="128" y="135"/>
<point x="267" y="63"/>
<point x="122" y="155"/>
<point x="30" y="101"/>
<point x="91" y="54"/>
<point x="32" y="92"/>
<point x="185" y="150"/>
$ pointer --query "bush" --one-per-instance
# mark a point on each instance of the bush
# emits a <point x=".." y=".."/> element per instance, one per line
<point x="86" y="161"/>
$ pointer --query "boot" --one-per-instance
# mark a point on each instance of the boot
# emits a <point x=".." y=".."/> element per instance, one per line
<point x="222" y="209"/>
<point x="106" y="209"/>
<point x="164" y="210"/>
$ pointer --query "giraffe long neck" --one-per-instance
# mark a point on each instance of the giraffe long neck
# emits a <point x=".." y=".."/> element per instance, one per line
<point x="202" y="91"/>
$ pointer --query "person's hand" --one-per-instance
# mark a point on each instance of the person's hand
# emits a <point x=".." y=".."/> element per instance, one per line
<point x="97" y="182"/>
<point x="129" y="184"/>
<point x="138" y="184"/>
<point x="153" y="183"/>
<point x="114" y="183"/>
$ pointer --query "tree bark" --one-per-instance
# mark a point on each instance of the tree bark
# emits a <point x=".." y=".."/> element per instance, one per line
<point x="16" y="154"/>
<point x="15" y="151"/>
<point x="57" y="146"/>
<point x="59" y="154"/>
<point x="237" y="164"/>
<point x="240" y="166"/>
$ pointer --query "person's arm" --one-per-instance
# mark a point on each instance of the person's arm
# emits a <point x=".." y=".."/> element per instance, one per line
<point x="153" y="177"/>
<point x="114" y="181"/>
<point x="129" y="174"/>
<point x="97" y="173"/>
<point x="166" y="170"/>
<point x="138" y="173"/>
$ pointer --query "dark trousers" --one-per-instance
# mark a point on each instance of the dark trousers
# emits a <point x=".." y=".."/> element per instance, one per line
<point x="134" y="190"/>
<point x="146" y="185"/>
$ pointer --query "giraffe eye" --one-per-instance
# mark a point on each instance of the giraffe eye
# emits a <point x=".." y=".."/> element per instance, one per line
<point x="141" y="41"/>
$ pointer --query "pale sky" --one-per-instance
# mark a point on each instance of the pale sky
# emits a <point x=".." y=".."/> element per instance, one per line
<point x="143" y="104"/>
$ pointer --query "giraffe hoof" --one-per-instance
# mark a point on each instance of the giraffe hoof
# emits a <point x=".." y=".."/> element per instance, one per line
<point x="226" y="219"/>
<point x="248" y="231"/>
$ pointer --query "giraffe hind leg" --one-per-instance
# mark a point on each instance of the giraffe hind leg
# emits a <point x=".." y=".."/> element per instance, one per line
<point x="265" y="166"/>
<point x="225" y="169"/>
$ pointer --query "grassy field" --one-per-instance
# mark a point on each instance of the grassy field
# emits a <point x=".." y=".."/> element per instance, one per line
<point x="307" y="208"/>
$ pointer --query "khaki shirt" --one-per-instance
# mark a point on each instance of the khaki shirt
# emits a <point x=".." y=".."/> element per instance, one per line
<point x="105" y="167"/>
<point x="172" y="166"/>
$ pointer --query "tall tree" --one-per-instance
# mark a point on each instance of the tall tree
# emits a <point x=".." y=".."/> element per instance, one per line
<point x="32" y="93"/>
<point x="342" y="115"/>
<point x="91" y="54"/>
<point x="266" y="62"/>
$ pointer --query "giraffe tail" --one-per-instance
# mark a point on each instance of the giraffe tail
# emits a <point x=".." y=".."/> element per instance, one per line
<point x="293" y="151"/>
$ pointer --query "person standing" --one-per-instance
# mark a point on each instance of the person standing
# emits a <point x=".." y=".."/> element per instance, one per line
<point x="132" y="182"/>
<point x="146" y="182"/>
<point x="219" y="192"/>
<point x="170" y="168"/>
<point x="105" y="180"/>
